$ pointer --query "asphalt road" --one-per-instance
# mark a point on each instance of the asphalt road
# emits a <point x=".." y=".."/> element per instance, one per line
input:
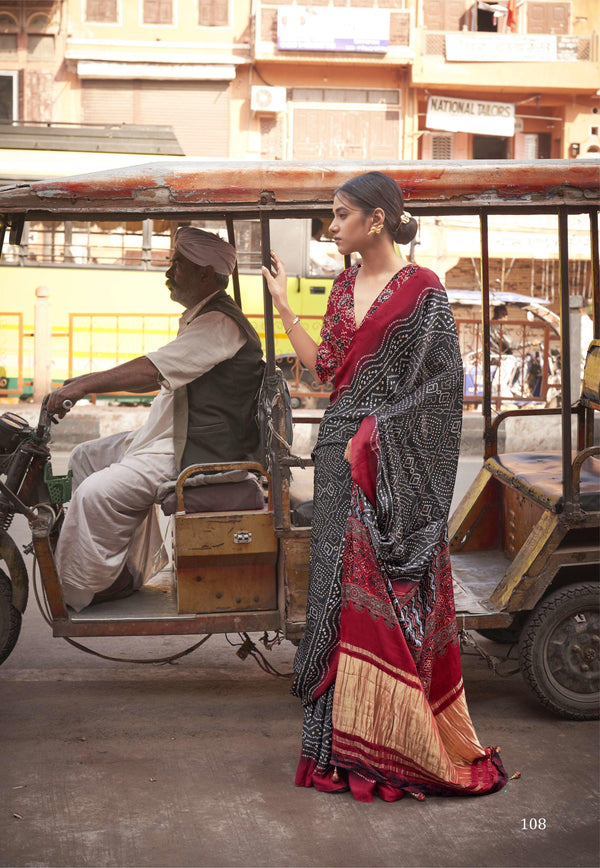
<point x="114" y="764"/>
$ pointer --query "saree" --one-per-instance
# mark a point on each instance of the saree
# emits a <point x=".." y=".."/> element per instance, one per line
<point x="378" y="669"/>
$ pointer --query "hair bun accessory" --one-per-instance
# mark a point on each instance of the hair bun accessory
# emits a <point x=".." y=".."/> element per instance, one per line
<point x="405" y="217"/>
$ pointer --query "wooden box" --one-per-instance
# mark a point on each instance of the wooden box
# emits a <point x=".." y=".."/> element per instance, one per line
<point x="226" y="562"/>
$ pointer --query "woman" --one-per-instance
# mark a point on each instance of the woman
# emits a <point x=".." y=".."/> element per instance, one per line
<point x="378" y="669"/>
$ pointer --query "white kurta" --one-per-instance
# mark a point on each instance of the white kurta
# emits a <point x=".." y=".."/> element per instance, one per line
<point x="111" y="519"/>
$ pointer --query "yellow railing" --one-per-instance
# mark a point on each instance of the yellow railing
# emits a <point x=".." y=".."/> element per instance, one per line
<point x="12" y="359"/>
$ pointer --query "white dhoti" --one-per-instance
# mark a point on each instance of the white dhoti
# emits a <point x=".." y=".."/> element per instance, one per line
<point x="111" y="520"/>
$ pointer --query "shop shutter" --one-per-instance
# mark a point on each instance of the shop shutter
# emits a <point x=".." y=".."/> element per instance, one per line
<point x="197" y="111"/>
<point x="107" y="102"/>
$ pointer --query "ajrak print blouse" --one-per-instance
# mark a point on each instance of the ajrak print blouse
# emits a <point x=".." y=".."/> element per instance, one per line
<point x="339" y="323"/>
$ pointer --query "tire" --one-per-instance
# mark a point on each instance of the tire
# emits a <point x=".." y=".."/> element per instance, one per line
<point x="10" y="618"/>
<point x="559" y="652"/>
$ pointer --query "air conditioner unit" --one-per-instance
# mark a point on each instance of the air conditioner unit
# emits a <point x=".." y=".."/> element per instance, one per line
<point x="268" y="99"/>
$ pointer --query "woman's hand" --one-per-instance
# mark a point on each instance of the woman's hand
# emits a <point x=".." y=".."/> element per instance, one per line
<point x="348" y="451"/>
<point x="277" y="282"/>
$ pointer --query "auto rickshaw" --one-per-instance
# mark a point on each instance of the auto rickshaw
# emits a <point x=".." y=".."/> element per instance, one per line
<point x="524" y="539"/>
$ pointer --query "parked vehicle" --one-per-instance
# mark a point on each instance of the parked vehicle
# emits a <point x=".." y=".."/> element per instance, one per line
<point x="525" y="554"/>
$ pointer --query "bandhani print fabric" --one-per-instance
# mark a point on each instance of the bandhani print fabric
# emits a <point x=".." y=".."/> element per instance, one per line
<point x="378" y="669"/>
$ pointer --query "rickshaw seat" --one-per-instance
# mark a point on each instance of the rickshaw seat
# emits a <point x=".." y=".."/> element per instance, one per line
<point x="222" y="497"/>
<point x="538" y="475"/>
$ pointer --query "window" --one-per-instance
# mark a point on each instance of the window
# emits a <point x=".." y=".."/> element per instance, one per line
<point x="442" y="146"/>
<point x="38" y="23"/>
<point x="158" y="12"/>
<point x="486" y="20"/>
<point x="490" y="148"/>
<point x="213" y="13"/>
<point x="345" y="95"/>
<point x="136" y="245"/>
<point x="445" y="14"/>
<point x="8" y="43"/>
<point x="548" y="17"/>
<point x="102" y="11"/>
<point x="8" y="24"/>
<point x="40" y="46"/>
<point x="8" y="96"/>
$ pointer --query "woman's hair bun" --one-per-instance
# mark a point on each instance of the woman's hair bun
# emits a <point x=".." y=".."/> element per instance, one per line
<point x="405" y="232"/>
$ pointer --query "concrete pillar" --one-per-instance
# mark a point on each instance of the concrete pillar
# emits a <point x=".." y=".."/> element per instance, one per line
<point x="42" y="333"/>
<point x="575" y="303"/>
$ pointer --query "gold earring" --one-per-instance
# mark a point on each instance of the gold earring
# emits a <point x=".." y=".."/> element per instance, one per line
<point x="375" y="230"/>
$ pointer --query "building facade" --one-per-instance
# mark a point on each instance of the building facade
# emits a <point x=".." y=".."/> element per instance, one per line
<point x="336" y="79"/>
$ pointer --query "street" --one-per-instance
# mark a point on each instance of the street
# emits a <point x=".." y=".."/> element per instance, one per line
<point x="192" y="764"/>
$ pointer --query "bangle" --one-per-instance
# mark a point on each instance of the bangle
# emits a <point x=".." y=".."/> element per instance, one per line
<point x="294" y="322"/>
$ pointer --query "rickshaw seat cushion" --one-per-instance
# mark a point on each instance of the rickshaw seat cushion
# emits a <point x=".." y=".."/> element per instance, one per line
<point x="539" y="476"/>
<point x="222" y="497"/>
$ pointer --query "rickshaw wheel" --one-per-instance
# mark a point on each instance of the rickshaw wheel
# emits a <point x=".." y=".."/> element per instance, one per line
<point x="10" y="618"/>
<point x="559" y="652"/>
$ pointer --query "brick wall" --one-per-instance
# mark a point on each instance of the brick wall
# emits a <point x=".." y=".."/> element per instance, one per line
<point x="535" y="277"/>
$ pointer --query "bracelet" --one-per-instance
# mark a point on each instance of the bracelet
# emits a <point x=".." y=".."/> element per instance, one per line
<point x="294" y="322"/>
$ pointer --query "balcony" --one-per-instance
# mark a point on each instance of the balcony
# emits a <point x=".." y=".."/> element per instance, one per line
<point x="542" y="61"/>
<point x="326" y="34"/>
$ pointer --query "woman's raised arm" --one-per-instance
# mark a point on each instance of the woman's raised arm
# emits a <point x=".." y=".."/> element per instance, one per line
<point x="303" y="344"/>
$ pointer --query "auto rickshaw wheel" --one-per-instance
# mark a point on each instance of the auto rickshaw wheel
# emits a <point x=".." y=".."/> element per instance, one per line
<point x="10" y="618"/>
<point x="559" y="651"/>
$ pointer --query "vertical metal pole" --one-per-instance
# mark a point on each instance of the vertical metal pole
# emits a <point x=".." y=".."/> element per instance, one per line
<point x="595" y="272"/>
<point x="279" y="481"/>
<point x="565" y="355"/>
<point x="2" y="233"/>
<point x="265" y="237"/>
<point x="235" y="274"/>
<point x="486" y="407"/>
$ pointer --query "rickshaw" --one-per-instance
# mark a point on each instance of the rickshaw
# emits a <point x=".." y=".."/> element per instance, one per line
<point x="524" y="539"/>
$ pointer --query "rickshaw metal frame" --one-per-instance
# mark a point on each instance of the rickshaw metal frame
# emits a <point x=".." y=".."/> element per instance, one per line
<point x="276" y="190"/>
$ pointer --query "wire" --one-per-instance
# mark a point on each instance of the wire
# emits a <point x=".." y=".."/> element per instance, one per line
<point x="45" y="611"/>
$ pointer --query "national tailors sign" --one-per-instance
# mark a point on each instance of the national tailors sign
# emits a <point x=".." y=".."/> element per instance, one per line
<point x="456" y="114"/>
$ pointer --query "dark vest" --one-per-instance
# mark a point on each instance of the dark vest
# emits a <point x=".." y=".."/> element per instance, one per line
<point x="215" y="414"/>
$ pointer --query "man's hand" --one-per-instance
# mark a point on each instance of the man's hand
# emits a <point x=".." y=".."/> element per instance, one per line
<point x="71" y="391"/>
<point x="138" y="375"/>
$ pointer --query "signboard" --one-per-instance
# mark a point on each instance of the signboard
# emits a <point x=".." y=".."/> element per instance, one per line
<point x="470" y="116"/>
<point x="323" y="28"/>
<point x="500" y="47"/>
<point x="567" y="47"/>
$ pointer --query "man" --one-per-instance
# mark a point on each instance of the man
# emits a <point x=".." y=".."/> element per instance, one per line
<point x="500" y="340"/>
<point x="209" y="378"/>
<point x="502" y="351"/>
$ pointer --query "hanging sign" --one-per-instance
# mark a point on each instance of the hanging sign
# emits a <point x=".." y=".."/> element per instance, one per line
<point x="460" y="115"/>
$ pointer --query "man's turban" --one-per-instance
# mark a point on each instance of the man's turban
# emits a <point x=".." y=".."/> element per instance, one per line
<point x="205" y="248"/>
